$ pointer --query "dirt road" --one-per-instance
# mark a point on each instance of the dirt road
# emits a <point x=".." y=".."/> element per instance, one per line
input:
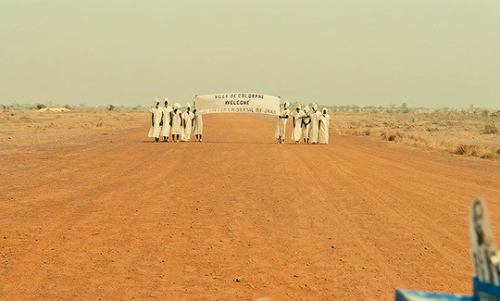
<point x="111" y="215"/>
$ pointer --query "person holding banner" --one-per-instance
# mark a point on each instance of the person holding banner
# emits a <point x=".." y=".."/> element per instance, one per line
<point x="187" y="124"/>
<point x="315" y="115"/>
<point x="198" y="126"/>
<point x="156" y="121"/>
<point x="297" y="115"/>
<point x="281" y="125"/>
<point x="324" y="124"/>
<point x="198" y="122"/>
<point x="306" y="122"/>
<point x="165" y="130"/>
<point x="176" y="122"/>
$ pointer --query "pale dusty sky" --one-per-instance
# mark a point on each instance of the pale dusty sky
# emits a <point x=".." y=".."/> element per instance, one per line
<point x="426" y="53"/>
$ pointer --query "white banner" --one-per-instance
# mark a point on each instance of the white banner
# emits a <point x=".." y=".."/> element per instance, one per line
<point x="252" y="103"/>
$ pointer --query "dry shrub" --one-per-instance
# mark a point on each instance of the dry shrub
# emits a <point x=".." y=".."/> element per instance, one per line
<point x="489" y="156"/>
<point x="99" y="124"/>
<point x="67" y="107"/>
<point x="392" y="136"/>
<point x="40" y="106"/>
<point x="417" y="141"/>
<point x="490" y="128"/>
<point x="466" y="149"/>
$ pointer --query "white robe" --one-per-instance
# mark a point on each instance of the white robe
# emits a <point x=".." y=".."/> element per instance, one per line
<point x="324" y="125"/>
<point x="176" y="122"/>
<point x="306" y="125"/>
<point x="297" y="124"/>
<point x="314" y="126"/>
<point x="198" y="125"/>
<point x="281" y="125"/>
<point x="187" y="118"/>
<point x="165" y="130"/>
<point x="154" y="130"/>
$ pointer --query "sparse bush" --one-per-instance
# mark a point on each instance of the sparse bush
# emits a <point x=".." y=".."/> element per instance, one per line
<point x="489" y="156"/>
<point x="464" y="149"/>
<point x="67" y="107"/>
<point x="111" y="107"/>
<point x="490" y="128"/>
<point x="461" y="149"/>
<point x="40" y="106"/>
<point x="392" y="136"/>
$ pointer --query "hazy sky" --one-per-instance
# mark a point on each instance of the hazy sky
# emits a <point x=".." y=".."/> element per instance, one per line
<point x="426" y="53"/>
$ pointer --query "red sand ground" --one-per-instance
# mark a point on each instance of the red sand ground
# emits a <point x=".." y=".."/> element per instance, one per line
<point x="110" y="215"/>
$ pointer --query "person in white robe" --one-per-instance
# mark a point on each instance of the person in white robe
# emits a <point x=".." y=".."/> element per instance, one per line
<point x="306" y="124"/>
<point x="165" y="130"/>
<point x="297" y="115"/>
<point x="324" y="125"/>
<point x="198" y="124"/>
<point x="281" y="125"/>
<point x="156" y="121"/>
<point x="187" y="124"/>
<point x="315" y="115"/>
<point x="176" y="122"/>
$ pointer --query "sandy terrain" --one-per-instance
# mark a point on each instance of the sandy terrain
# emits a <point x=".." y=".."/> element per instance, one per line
<point x="92" y="209"/>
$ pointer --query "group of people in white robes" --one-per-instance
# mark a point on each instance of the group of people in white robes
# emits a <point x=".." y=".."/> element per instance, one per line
<point x="312" y="125"/>
<point x="166" y="120"/>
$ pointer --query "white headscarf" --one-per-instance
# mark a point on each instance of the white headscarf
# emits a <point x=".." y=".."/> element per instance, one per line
<point x="286" y="105"/>
<point x="177" y="106"/>
<point x="315" y="107"/>
<point x="306" y="109"/>
<point x="325" y="111"/>
<point x="188" y="107"/>
<point x="298" y="106"/>
<point x="166" y="100"/>
<point x="157" y="102"/>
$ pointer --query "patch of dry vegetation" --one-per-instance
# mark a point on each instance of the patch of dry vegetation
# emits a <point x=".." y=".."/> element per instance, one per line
<point x="81" y="119"/>
<point x="25" y="129"/>
<point x="460" y="133"/>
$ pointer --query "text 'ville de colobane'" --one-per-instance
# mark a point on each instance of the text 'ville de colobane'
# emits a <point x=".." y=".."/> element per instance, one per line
<point x="242" y="95"/>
